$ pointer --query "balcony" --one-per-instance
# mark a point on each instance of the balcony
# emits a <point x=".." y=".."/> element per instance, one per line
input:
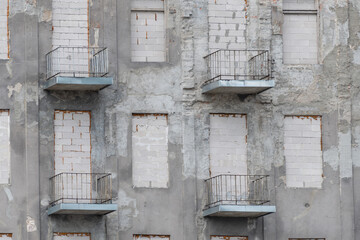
<point x="77" y="69"/>
<point x="240" y="72"/>
<point x="81" y="193"/>
<point x="238" y="196"/>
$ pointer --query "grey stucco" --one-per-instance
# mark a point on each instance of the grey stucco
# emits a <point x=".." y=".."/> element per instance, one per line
<point x="329" y="89"/>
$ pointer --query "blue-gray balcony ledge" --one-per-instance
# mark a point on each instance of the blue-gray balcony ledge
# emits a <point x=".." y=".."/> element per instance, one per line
<point x="78" y="83"/>
<point x="82" y="208"/>
<point x="241" y="72"/>
<point x="231" y="195"/>
<point x="77" y="69"/>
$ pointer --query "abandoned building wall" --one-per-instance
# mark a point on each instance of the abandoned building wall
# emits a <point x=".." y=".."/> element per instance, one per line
<point x="164" y="78"/>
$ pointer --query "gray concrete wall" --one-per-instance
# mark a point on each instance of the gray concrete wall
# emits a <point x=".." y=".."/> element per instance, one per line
<point x="329" y="89"/>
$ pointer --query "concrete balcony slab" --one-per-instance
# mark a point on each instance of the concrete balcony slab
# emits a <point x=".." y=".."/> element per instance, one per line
<point x="78" y="83"/>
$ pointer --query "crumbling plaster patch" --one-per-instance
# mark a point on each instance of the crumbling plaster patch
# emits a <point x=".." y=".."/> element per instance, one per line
<point x="127" y="210"/>
<point x="17" y="88"/>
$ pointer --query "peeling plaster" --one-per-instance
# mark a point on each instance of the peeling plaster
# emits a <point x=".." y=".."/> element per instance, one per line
<point x="11" y="89"/>
<point x="331" y="157"/>
<point x="46" y="15"/>
<point x="8" y="67"/>
<point x="30" y="224"/>
<point x="8" y="194"/>
<point x="357" y="56"/>
<point x="127" y="210"/>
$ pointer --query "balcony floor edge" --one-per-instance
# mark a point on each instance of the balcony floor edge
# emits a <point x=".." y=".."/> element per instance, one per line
<point x="239" y="211"/>
<point x="238" y="86"/>
<point x="82" y="208"/>
<point x="78" y="83"/>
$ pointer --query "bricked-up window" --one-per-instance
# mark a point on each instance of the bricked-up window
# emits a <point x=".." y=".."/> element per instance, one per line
<point x="150" y="150"/>
<point x="150" y="237"/>
<point x="4" y="29"/>
<point x="4" y="146"/>
<point x="72" y="236"/>
<point x="5" y="236"/>
<point x="228" y="147"/>
<point x="303" y="151"/>
<point x="148" y="31"/>
<point x="300" y="37"/>
<point x="227" y="21"/>
<point x="72" y="141"/>
<point x="70" y="23"/>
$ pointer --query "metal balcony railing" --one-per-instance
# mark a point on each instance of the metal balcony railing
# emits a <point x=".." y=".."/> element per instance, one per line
<point x="81" y="188"/>
<point x="237" y="190"/>
<point x="238" y="65"/>
<point x="77" y="62"/>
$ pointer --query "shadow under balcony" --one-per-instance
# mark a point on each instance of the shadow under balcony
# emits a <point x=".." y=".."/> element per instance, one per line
<point x="81" y="193"/>
<point x="238" y="196"/>
<point x="240" y="72"/>
<point x="77" y="69"/>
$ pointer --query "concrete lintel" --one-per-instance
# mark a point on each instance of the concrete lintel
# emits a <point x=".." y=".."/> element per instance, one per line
<point x="242" y="87"/>
<point x="78" y="83"/>
<point x="239" y="211"/>
<point x="82" y="208"/>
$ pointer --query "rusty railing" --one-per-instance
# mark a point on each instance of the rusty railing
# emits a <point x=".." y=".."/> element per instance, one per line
<point x="238" y="65"/>
<point x="77" y="62"/>
<point x="232" y="189"/>
<point x="81" y="188"/>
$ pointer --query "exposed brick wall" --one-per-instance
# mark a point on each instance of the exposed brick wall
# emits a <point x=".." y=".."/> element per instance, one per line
<point x="148" y="31"/>
<point x="72" y="236"/>
<point x="4" y="47"/>
<point x="227" y="24"/>
<point x="228" y="147"/>
<point x="72" y="142"/>
<point x="4" y="147"/>
<point x="303" y="151"/>
<point x="300" y="39"/>
<point x="151" y="237"/>
<point x="150" y="151"/>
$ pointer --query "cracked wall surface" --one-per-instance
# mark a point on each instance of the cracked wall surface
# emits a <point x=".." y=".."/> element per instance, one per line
<point x="329" y="89"/>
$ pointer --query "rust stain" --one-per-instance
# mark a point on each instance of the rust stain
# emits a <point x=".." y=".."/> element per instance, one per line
<point x="146" y="22"/>
<point x="137" y="17"/>
<point x="5" y="110"/>
<point x="137" y="127"/>
<point x="146" y="35"/>
<point x="5" y="234"/>
<point x="70" y="234"/>
<point x="137" y="41"/>
<point x="315" y="117"/>
<point x="155" y="17"/>
<point x="222" y="237"/>
<point x="149" y="236"/>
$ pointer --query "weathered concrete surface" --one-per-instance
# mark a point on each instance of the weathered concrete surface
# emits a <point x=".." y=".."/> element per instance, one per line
<point x="329" y="89"/>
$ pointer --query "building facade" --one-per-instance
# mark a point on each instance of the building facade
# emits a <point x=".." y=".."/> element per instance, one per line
<point x="167" y="119"/>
